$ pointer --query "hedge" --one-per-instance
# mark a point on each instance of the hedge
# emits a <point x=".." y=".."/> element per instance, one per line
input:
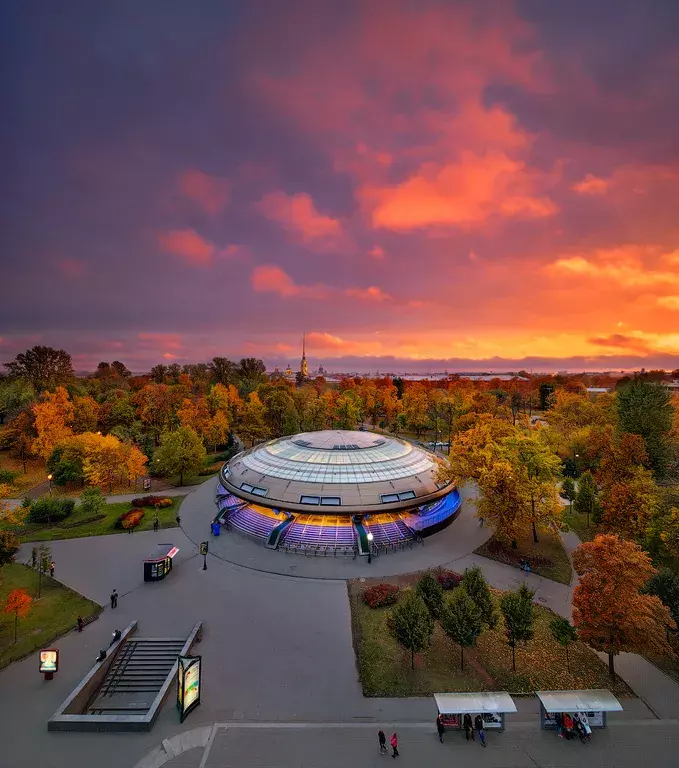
<point x="381" y="595"/>
<point x="50" y="510"/>
<point x="151" y="501"/>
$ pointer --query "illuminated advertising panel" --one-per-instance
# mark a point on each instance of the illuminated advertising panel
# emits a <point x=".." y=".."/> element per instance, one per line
<point x="49" y="660"/>
<point x="188" y="684"/>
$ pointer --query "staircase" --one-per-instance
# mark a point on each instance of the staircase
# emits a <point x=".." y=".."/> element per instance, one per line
<point x="136" y="676"/>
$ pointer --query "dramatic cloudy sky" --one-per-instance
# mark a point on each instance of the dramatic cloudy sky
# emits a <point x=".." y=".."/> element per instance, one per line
<point x="415" y="183"/>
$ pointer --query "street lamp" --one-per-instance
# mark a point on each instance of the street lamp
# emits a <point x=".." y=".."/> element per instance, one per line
<point x="370" y="547"/>
<point x="49" y="480"/>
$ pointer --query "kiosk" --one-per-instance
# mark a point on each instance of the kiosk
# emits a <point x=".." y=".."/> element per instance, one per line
<point x="159" y="562"/>
<point x="593" y="703"/>
<point x="491" y="705"/>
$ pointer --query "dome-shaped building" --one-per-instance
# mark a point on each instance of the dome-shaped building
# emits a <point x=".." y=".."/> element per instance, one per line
<point x="335" y="491"/>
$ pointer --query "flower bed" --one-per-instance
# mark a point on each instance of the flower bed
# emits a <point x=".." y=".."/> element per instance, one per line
<point x="448" y="579"/>
<point x="130" y="519"/>
<point x="381" y="595"/>
<point x="152" y="501"/>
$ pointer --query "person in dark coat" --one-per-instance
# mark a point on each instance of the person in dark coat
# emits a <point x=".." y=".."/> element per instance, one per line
<point x="478" y="724"/>
<point x="468" y="726"/>
<point x="440" y="728"/>
<point x="383" y="742"/>
<point x="114" y="599"/>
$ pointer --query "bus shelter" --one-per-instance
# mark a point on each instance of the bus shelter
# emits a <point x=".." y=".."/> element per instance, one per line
<point x="595" y="704"/>
<point x="491" y="705"/>
<point x="159" y="562"/>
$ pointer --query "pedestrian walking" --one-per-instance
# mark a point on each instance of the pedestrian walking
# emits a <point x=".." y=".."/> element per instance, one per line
<point x="155" y="525"/>
<point x="52" y="569"/>
<point x="383" y="742"/>
<point x="79" y="621"/>
<point x="394" y="745"/>
<point x="179" y="520"/>
<point x="114" y="599"/>
<point x="440" y="728"/>
<point x="478" y="724"/>
<point x="468" y="726"/>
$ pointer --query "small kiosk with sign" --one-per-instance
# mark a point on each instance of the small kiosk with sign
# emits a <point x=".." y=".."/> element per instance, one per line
<point x="159" y="562"/>
<point x="188" y="684"/>
<point x="593" y="703"/>
<point x="49" y="662"/>
<point x="491" y="705"/>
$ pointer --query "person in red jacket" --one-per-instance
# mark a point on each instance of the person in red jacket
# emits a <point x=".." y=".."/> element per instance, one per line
<point x="394" y="745"/>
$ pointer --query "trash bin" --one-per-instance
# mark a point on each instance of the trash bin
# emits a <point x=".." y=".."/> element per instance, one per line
<point x="216" y="527"/>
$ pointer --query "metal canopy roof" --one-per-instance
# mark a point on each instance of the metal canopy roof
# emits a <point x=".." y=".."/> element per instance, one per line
<point x="483" y="701"/>
<point x="597" y="700"/>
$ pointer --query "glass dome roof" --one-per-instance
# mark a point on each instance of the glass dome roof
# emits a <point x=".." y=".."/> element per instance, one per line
<point x="338" y="456"/>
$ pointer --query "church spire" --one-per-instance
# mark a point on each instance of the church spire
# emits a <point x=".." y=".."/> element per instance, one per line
<point x="304" y="365"/>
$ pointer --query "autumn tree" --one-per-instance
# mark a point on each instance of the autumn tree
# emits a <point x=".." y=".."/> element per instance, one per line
<point x="53" y="419"/>
<point x="415" y="408"/>
<point x="609" y="610"/>
<point x="565" y="635"/>
<point x="85" y="415"/>
<point x="474" y="584"/>
<point x="504" y="500"/>
<point x="412" y="624"/>
<point x="181" y="452"/>
<point x="9" y="546"/>
<point x="461" y="620"/>
<point x="43" y="367"/>
<point x="346" y="412"/>
<point x="18" y="603"/>
<point x="19" y="436"/>
<point x="253" y="424"/>
<point x="518" y="613"/>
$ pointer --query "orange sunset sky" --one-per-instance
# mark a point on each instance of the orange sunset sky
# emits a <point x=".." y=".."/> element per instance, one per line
<point x="417" y="185"/>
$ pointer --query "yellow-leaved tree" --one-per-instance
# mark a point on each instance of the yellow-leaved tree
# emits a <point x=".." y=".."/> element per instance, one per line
<point x="53" y="420"/>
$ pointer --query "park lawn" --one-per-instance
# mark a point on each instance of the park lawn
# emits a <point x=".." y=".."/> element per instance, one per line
<point x="578" y="524"/>
<point x="105" y="526"/>
<point x="547" y="558"/>
<point x="50" y="616"/>
<point x="384" y="667"/>
<point x="541" y="663"/>
<point x="36" y="473"/>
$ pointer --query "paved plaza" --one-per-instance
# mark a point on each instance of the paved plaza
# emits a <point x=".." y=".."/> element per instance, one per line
<point x="278" y="663"/>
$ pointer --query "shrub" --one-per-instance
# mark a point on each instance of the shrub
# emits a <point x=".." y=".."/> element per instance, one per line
<point x="50" y="510"/>
<point x="210" y="470"/>
<point x="151" y="501"/>
<point x="130" y="519"/>
<point x="381" y="595"/>
<point x="92" y="502"/>
<point x="7" y="476"/>
<point x="431" y="591"/>
<point x="448" y="579"/>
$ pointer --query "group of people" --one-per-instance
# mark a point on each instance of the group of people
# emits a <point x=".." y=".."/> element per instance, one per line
<point x="569" y="726"/>
<point x="383" y="743"/>
<point x="470" y="728"/>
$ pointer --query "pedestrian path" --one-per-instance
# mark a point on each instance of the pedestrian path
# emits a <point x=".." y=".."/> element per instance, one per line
<point x="13" y="503"/>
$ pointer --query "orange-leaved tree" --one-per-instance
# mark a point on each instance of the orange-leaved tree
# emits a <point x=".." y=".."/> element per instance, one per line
<point x="609" y="610"/>
<point x="18" y="603"/>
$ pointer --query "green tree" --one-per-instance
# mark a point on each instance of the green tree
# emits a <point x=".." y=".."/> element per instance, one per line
<point x="474" y="584"/>
<point x="15" y="394"/>
<point x="429" y="589"/>
<point x="253" y="423"/>
<point x="412" y="624"/>
<point x="461" y="620"/>
<point x="665" y="585"/>
<point x="586" y="499"/>
<point x="43" y="367"/>
<point x="251" y="373"/>
<point x="346" y="411"/>
<point x="565" y="634"/>
<point x="569" y="490"/>
<point x="223" y="371"/>
<point x="9" y="546"/>
<point x="645" y="409"/>
<point x="92" y="502"/>
<point x="181" y="452"/>
<point x="518" y="612"/>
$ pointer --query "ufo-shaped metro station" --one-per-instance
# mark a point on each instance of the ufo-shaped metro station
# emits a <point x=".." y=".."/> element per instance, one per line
<point x="335" y="492"/>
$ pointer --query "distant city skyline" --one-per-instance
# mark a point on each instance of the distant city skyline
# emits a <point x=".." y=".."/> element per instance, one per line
<point x="461" y="185"/>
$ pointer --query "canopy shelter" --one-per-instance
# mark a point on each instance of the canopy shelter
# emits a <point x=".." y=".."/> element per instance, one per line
<point x="491" y="705"/>
<point x="594" y="703"/>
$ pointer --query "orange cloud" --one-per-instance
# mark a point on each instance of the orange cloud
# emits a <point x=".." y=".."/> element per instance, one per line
<point x="297" y="214"/>
<point x="272" y="279"/>
<point x="167" y="340"/>
<point x="591" y="185"/>
<point x="619" y="341"/>
<point x="669" y="302"/>
<point x="209" y="192"/>
<point x="458" y="194"/>
<point x="373" y="293"/>
<point x="187" y="244"/>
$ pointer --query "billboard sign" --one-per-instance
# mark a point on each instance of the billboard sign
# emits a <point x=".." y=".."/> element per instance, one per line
<point x="188" y="684"/>
<point x="49" y="660"/>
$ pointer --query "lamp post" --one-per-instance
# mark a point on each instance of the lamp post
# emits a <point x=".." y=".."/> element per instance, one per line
<point x="49" y="480"/>
<point x="370" y="548"/>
